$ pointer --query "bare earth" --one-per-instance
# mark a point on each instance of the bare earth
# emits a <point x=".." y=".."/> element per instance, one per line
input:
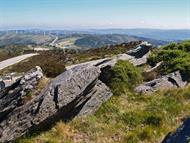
<point x="15" y="60"/>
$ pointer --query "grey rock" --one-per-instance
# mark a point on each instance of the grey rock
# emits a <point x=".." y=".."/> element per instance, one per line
<point x="100" y="94"/>
<point x="140" y="54"/>
<point x="11" y="96"/>
<point x="172" y="80"/>
<point x="140" y="51"/>
<point x="75" y="92"/>
<point x="181" y="135"/>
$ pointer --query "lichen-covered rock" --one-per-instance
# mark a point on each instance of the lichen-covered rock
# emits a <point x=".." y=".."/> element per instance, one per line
<point x="77" y="91"/>
<point x="169" y="81"/>
<point x="181" y="135"/>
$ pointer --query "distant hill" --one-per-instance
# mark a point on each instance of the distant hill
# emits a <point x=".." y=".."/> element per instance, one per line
<point x="24" y="39"/>
<point x="98" y="41"/>
<point x="83" y="40"/>
<point x="158" y="34"/>
<point x="93" y="38"/>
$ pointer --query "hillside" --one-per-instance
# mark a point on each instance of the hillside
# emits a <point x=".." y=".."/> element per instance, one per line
<point x="97" y="41"/>
<point x="24" y="39"/>
<point x="128" y="116"/>
<point x="68" y="39"/>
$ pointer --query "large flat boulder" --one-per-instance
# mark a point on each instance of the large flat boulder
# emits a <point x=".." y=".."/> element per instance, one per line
<point x="76" y="92"/>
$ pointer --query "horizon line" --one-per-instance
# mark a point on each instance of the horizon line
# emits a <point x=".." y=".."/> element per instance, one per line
<point x="85" y="29"/>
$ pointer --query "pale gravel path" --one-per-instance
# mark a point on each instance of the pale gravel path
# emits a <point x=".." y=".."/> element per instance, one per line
<point x="15" y="60"/>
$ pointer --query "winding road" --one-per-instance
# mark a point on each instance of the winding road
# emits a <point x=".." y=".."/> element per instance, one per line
<point x="15" y="60"/>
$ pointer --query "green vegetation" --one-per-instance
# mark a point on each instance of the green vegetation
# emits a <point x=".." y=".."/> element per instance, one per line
<point x="124" y="73"/>
<point x="174" y="57"/>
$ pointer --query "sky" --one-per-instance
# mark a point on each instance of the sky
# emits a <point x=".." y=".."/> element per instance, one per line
<point x="94" y="14"/>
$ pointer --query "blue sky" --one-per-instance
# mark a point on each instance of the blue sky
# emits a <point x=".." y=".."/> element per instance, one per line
<point x="81" y="14"/>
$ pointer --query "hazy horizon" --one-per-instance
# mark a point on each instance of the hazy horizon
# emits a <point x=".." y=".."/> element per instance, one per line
<point x="94" y="14"/>
<point x="87" y="29"/>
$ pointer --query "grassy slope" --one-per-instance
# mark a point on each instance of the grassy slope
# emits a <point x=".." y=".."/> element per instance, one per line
<point x="128" y="118"/>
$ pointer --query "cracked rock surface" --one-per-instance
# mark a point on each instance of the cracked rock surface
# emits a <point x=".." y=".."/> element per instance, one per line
<point x="75" y="92"/>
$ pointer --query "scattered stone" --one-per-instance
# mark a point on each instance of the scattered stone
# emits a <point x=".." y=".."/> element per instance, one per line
<point x="172" y="80"/>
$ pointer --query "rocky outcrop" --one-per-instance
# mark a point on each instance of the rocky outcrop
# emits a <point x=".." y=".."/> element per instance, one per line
<point x="11" y="96"/>
<point x="140" y="54"/>
<point x="175" y="79"/>
<point x="137" y="57"/>
<point x="101" y="63"/>
<point x="140" y="51"/>
<point x="75" y="92"/>
<point x="181" y="135"/>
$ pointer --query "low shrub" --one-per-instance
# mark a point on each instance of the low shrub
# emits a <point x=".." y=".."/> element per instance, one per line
<point x="173" y="57"/>
<point x="124" y="77"/>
